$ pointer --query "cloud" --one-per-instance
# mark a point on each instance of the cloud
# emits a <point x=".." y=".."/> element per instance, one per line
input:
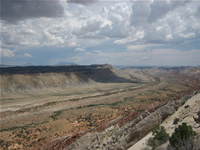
<point x="79" y="50"/>
<point x="72" y="44"/>
<point x="158" y="10"/>
<point x="97" y="52"/>
<point x="153" y="57"/>
<point x="144" y="12"/>
<point x="165" y="21"/>
<point x="119" y="16"/>
<point x="83" y="2"/>
<point x="144" y="57"/>
<point x="125" y="29"/>
<point x="91" y="26"/>
<point x="13" y="11"/>
<point x="52" y="39"/>
<point x="27" y="55"/>
<point x="6" y="53"/>
<point x="140" y="47"/>
<point x="140" y="13"/>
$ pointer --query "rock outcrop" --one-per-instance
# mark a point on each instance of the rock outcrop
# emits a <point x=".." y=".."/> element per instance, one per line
<point x="115" y="137"/>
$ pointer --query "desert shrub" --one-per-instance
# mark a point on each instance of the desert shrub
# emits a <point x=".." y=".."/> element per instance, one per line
<point x="198" y="113"/>
<point x="176" y="120"/>
<point x="152" y="143"/>
<point x="192" y="143"/>
<point x="187" y="106"/>
<point x="182" y="137"/>
<point x="160" y="136"/>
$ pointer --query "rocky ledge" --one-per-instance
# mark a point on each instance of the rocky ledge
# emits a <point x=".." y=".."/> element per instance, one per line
<point x="121" y="138"/>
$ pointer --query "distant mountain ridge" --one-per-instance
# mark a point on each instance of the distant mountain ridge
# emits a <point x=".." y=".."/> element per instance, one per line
<point x="38" y="77"/>
<point x="51" y="69"/>
<point x="65" y="63"/>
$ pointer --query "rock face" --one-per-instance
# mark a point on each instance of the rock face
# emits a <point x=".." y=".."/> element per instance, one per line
<point x="121" y="138"/>
<point x="16" y="79"/>
<point x="191" y="72"/>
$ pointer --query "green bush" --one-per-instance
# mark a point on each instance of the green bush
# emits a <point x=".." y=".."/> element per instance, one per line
<point x="160" y="136"/>
<point x="152" y="143"/>
<point x="182" y="134"/>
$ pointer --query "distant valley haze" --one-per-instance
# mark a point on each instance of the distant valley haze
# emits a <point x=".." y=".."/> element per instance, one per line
<point x="123" y="33"/>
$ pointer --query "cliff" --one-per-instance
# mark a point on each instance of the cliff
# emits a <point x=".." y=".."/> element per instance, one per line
<point x="16" y="79"/>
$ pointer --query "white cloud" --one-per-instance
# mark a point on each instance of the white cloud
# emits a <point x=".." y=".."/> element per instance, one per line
<point x="127" y="27"/>
<point x="88" y="28"/>
<point x="79" y="50"/>
<point x="140" y="47"/>
<point x="144" y="57"/>
<point x="7" y="53"/>
<point x="27" y="55"/>
<point x="119" y="16"/>
<point x="73" y="44"/>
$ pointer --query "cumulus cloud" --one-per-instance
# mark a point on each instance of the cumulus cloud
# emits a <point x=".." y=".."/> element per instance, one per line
<point x="128" y="27"/>
<point x="165" y="21"/>
<point x="72" y="44"/>
<point x="6" y="53"/>
<point x="87" y="28"/>
<point x="27" y="55"/>
<point x="13" y="11"/>
<point x="118" y="15"/>
<point x="79" y="49"/>
<point x="159" y="9"/>
<point x="144" y="12"/>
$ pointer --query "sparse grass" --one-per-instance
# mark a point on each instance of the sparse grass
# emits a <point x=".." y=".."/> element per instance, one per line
<point x="57" y="113"/>
<point x="18" y="127"/>
<point x="164" y="88"/>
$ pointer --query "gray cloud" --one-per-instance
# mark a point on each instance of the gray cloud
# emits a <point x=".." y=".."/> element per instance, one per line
<point x="148" y="12"/>
<point x="13" y="11"/>
<point x="140" y="13"/>
<point x="83" y="2"/>
<point x="158" y="9"/>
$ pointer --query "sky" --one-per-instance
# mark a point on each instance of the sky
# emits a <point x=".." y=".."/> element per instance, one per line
<point x="116" y="32"/>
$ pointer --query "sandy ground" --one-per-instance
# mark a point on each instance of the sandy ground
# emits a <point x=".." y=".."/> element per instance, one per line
<point x="184" y="114"/>
<point x="36" y="97"/>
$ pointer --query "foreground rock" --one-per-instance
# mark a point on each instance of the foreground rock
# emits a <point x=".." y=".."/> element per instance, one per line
<point x="185" y="114"/>
<point x="116" y="137"/>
